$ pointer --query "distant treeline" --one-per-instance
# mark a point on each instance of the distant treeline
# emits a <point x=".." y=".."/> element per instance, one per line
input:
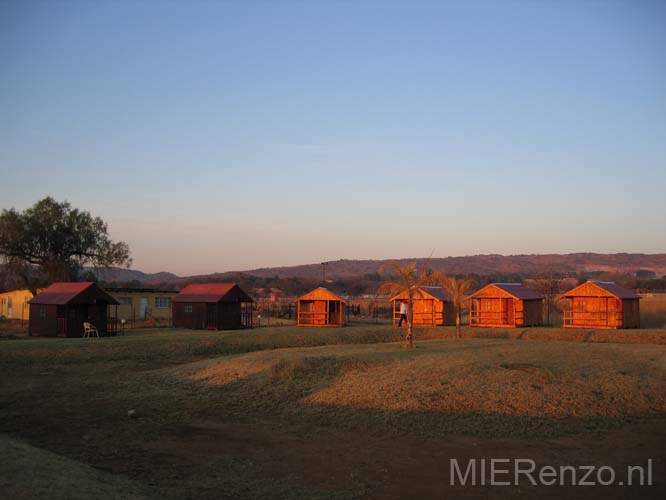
<point x="369" y="283"/>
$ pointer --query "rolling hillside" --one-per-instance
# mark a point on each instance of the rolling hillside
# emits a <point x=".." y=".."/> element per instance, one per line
<point x="482" y="265"/>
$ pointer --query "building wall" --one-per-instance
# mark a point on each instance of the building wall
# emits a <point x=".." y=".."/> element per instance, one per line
<point x="196" y="319"/>
<point x="444" y="313"/>
<point x="507" y="312"/>
<point x="631" y="315"/>
<point x="229" y="316"/>
<point x="594" y="312"/>
<point x="219" y="316"/>
<point x="131" y="308"/>
<point x="532" y="313"/>
<point x="14" y="304"/>
<point x="43" y="320"/>
<point x="320" y="318"/>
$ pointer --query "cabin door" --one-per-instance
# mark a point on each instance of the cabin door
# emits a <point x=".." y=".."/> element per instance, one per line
<point x="143" y="307"/>
<point x="9" y="307"/>
<point x="507" y="308"/>
<point x="211" y="316"/>
<point x="333" y="317"/>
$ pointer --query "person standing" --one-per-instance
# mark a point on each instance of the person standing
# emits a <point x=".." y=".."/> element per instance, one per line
<point x="403" y="313"/>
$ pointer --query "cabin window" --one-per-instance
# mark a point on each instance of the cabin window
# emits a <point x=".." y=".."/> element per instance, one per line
<point x="125" y="301"/>
<point x="188" y="308"/>
<point x="162" y="302"/>
<point x="42" y="312"/>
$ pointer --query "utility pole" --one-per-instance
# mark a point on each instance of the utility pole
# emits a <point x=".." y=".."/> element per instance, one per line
<point x="324" y="264"/>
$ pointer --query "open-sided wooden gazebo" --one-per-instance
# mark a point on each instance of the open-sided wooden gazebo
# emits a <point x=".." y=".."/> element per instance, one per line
<point x="320" y="307"/>
<point x="509" y="305"/>
<point x="601" y="304"/>
<point x="432" y="306"/>
<point x="62" y="308"/>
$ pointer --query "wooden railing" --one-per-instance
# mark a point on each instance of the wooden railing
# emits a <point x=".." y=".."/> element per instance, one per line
<point x="592" y="318"/>
<point x="318" y="317"/>
<point x="421" y="317"/>
<point x="495" y="317"/>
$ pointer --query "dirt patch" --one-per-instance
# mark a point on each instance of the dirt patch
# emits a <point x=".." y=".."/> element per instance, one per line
<point x="377" y="467"/>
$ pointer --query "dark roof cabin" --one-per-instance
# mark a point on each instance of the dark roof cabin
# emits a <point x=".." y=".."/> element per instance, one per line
<point x="432" y="306"/>
<point x="62" y="308"/>
<point x="601" y="304"/>
<point x="320" y="308"/>
<point x="509" y="305"/>
<point x="212" y="306"/>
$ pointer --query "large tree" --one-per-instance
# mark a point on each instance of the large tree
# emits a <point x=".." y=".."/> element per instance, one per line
<point x="51" y="241"/>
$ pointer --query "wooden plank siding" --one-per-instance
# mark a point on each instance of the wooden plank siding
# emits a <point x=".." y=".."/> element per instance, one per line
<point x="429" y="310"/>
<point x="62" y="308"/>
<point x="320" y="308"/>
<point x="599" y="305"/>
<point x="212" y="306"/>
<point x="493" y="306"/>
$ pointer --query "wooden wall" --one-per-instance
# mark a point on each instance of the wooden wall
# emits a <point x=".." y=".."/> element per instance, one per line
<point x="506" y="312"/>
<point x="321" y="313"/>
<point x="43" y="327"/>
<point x="211" y="316"/>
<point x="70" y="317"/>
<point x="601" y="312"/>
<point x="195" y="320"/>
<point x="428" y="312"/>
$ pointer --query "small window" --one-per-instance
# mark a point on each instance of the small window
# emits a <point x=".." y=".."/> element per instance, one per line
<point x="188" y="308"/>
<point x="125" y="300"/>
<point x="42" y="312"/>
<point x="162" y="302"/>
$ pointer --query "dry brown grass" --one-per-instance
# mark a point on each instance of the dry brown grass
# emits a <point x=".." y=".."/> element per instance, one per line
<point x="493" y="377"/>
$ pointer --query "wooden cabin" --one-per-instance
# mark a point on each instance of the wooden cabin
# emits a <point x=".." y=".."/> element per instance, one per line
<point x="601" y="304"/>
<point x="62" y="308"/>
<point x="212" y="306"/>
<point x="508" y="305"/>
<point x="320" y="308"/>
<point x="432" y="306"/>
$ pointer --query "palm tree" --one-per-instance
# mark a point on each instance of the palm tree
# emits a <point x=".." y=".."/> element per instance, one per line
<point x="457" y="289"/>
<point x="409" y="277"/>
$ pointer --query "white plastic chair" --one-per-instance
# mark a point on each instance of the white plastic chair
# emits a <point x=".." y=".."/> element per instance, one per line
<point x="88" y="329"/>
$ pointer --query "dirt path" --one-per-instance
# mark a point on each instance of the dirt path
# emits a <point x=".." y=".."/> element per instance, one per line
<point x="381" y="467"/>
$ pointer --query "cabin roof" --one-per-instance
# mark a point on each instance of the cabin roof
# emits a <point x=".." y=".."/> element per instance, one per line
<point x="608" y="286"/>
<point x="61" y="293"/>
<point x="320" y="293"/>
<point x="436" y="292"/>
<point x="517" y="290"/>
<point x="211" y="293"/>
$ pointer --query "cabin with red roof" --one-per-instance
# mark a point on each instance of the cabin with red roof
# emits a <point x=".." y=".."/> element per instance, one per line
<point x="432" y="306"/>
<point x="507" y="305"/>
<point x="212" y="306"/>
<point x="61" y="309"/>
<point x="601" y="304"/>
<point x="320" y="308"/>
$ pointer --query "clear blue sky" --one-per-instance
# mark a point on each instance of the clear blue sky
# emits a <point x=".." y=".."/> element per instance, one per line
<point x="218" y="136"/>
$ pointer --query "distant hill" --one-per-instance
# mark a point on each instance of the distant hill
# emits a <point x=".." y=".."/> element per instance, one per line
<point x="483" y="265"/>
<point x="122" y="275"/>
